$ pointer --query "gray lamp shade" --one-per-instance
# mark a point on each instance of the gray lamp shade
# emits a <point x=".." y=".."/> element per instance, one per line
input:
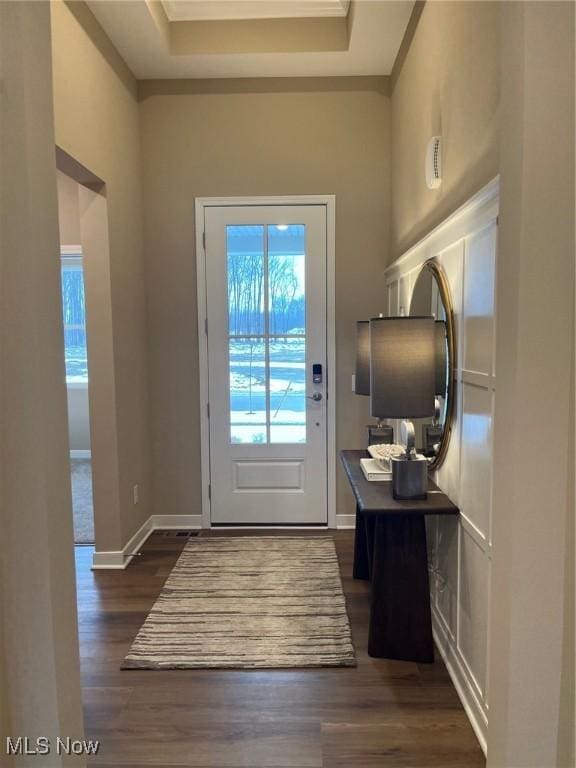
<point x="362" y="386"/>
<point x="402" y="367"/>
<point x="441" y="357"/>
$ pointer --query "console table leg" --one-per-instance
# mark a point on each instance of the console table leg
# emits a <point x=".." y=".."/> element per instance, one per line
<point x="361" y="569"/>
<point x="400" y="616"/>
<point x="369" y="528"/>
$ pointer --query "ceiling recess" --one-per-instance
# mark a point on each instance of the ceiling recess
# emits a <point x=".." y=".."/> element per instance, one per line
<point x="363" y="43"/>
<point x="220" y="10"/>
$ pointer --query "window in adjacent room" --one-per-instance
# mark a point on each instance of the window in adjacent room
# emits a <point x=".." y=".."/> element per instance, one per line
<point x="74" y="311"/>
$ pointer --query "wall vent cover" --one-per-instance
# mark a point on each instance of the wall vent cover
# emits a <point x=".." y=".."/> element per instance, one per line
<point x="434" y="163"/>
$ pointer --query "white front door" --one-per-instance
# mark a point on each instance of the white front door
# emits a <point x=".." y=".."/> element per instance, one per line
<point x="266" y="336"/>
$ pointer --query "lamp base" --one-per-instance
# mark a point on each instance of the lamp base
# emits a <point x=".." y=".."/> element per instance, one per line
<point x="409" y="477"/>
<point x="380" y="433"/>
<point x="432" y="437"/>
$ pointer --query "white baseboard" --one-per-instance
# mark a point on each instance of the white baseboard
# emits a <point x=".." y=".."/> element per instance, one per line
<point x="470" y="702"/>
<point x="176" y="522"/>
<point x="269" y="528"/>
<point x="76" y="453"/>
<point x="118" y="560"/>
<point x="103" y="561"/>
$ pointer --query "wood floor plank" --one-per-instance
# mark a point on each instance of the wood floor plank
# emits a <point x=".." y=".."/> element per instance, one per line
<point x="105" y="764"/>
<point x="220" y="743"/>
<point x="104" y="705"/>
<point x="381" y="713"/>
<point x="401" y="744"/>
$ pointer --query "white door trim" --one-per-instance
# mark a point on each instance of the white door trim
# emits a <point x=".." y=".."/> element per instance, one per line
<point x="329" y="201"/>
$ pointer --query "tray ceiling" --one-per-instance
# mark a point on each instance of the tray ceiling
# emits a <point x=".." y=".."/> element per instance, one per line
<point x="365" y="41"/>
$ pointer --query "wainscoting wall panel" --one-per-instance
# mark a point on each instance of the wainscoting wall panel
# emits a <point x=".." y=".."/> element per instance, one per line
<point x="445" y="544"/>
<point x="476" y="473"/>
<point x="460" y="550"/>
<point x="479" y="299"/>
<point x="472" y="609"/>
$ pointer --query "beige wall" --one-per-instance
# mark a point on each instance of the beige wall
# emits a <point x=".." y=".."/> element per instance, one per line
<point x="532" y="662"/>
<point x="78" y="418"/>
<point x="254" y="144"/>
<point x="37" y="590"/>
<point x="68" y="210"/>
<point x="5" y="728"/>
<point x="449" y="86"/>
<point x="567" y="714"/>
<point x="96" y="122"/>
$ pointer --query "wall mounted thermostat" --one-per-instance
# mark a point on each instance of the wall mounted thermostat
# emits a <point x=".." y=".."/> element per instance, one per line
<point x="317" y="373"/>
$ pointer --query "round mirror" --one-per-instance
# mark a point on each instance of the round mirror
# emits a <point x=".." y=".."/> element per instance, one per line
<point x="431" y="296"/>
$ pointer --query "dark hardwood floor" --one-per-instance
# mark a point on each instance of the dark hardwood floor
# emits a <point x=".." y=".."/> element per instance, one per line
<point x="379" y="714"/>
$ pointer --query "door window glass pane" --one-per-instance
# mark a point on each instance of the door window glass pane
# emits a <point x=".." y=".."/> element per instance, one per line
<point x="245" y="249"/>
<point x="288" y="390"/>
<point x="248" y="391"/>
<point x="286" y="279"/>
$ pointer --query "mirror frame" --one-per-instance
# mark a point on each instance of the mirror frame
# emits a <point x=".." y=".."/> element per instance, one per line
<point x="438" y="274"/>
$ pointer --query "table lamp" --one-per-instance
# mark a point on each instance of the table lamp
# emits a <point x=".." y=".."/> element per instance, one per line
<point x="377" y="433"/>
<point x="402" y="386"/>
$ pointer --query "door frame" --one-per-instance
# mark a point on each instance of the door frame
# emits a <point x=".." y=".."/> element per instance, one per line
<point x="329" y="201"/>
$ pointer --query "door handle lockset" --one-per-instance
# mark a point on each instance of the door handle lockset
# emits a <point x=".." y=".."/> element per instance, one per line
<point x="316" y="396"/>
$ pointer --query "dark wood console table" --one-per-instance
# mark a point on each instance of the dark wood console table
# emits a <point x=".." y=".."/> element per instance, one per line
<point x="390" y="551"/>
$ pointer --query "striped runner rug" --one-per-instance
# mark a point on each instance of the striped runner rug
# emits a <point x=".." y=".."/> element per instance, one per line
<point x="247" y="602"/>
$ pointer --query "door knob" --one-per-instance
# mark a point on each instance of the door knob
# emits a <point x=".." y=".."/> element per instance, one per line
<point x="316" y="396"/>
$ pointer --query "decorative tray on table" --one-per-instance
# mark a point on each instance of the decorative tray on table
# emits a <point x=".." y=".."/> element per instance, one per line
<point x="382" y="454"/>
